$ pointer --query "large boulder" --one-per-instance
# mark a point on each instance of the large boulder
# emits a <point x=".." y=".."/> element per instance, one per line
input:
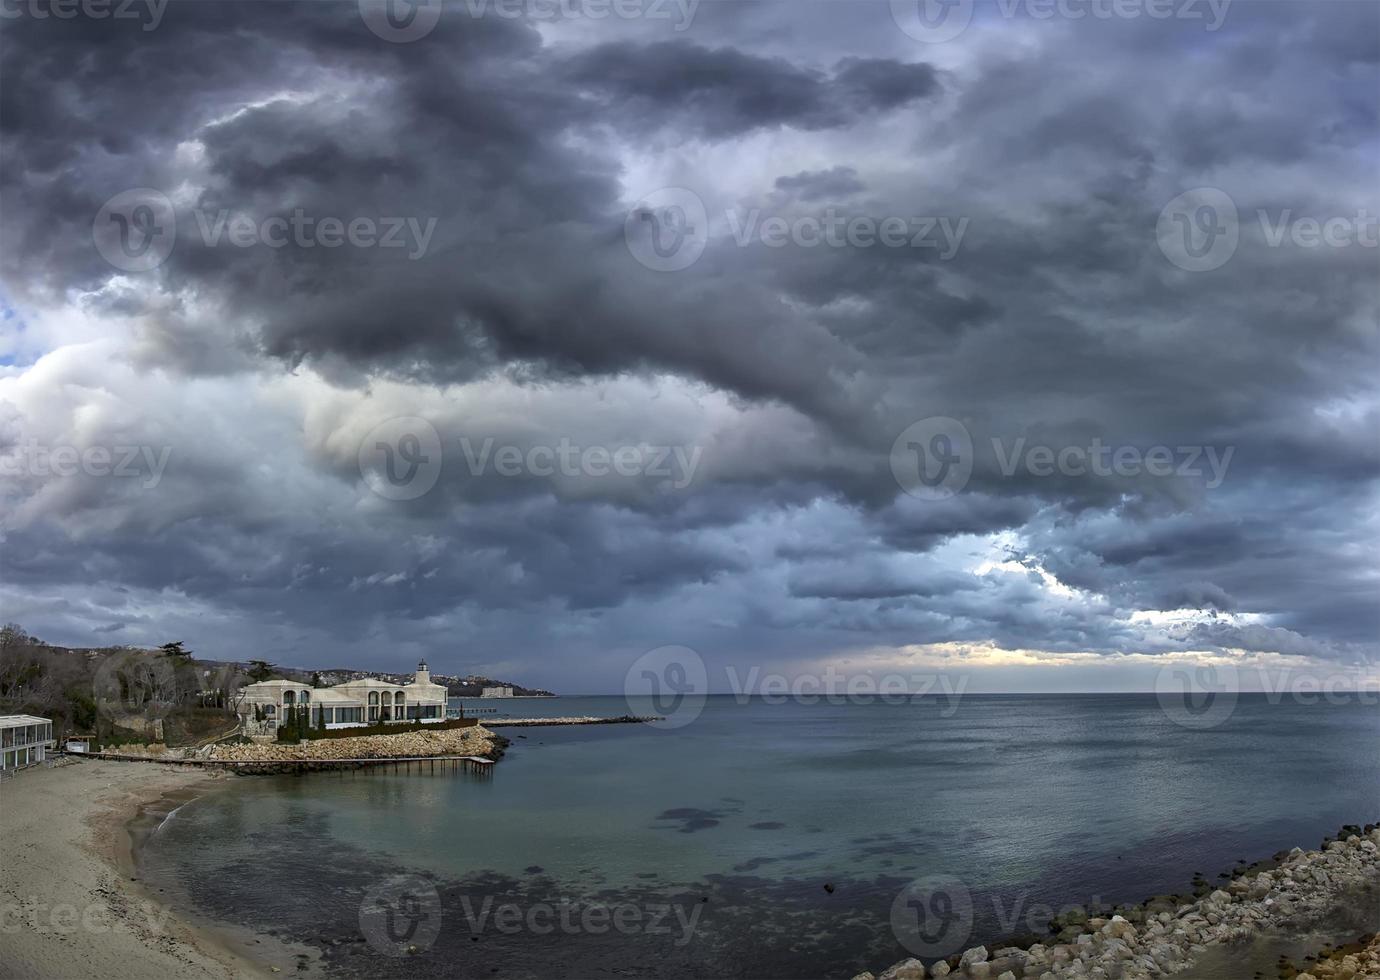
<point x="1119" y="928"/>
<point x="911" y="969"/>
<point x="978" y="954"/>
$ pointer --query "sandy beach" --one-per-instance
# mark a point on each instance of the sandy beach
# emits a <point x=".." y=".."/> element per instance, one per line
<point x="69" y="902"/>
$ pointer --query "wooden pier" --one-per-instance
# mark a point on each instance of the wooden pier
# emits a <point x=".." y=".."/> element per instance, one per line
<point x="585" y="720"/>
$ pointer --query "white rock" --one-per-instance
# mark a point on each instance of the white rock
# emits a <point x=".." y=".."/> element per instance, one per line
<point x="978" y="954"/>
<point x="911" y="969"/>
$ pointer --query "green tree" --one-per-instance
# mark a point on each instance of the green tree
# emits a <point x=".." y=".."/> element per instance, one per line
<point x="260" y="670"/>
<point x="288" y="731"/>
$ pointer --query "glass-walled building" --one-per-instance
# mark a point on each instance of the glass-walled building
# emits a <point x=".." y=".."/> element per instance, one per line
<point x="24" y="741"/>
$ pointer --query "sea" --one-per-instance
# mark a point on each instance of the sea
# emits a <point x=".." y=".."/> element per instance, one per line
<point x="766" y="838"/>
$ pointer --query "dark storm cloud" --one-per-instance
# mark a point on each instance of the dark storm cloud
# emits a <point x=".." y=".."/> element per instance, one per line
<point x="830" y="184"/>
<point x="1056" y="322"/>
<point x="914" y="525"/>
<point x="857" y="581"/>
<point x="722" y="92"/>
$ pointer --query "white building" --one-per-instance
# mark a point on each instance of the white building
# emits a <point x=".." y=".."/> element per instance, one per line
<point x="24" y="741"/>
<point x="364" y="702"/>
<point x="496" y="692"/>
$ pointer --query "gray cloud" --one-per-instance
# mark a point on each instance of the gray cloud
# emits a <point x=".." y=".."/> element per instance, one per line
<point x="718" y="93"/>
<point x="1058" y="321"/>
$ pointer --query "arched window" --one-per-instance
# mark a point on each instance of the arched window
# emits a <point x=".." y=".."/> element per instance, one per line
<point x="387" y="698"/>
<point x="288" y="697"/>
<point x="399" y="704"/>
<point x="306" y="696"/>
<point x="373" y="705"/>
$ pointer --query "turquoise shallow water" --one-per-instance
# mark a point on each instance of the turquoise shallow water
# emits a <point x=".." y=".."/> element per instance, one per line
<point x="738" y="821"/>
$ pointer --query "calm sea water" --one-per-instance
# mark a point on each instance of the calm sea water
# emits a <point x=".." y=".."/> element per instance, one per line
<point x="769" y="840"/>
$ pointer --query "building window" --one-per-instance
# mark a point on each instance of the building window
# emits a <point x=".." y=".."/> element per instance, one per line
<point x="289" y="699"/>
<point x="305" y="696"/>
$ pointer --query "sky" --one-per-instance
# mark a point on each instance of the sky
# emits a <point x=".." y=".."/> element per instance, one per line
<point x="1030" y="342"/>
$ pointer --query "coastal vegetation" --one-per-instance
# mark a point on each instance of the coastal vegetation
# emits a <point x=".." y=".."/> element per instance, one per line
<point x="297" y="727"/>
<point x="163" y="695"/>
<point x="116" y="693"/>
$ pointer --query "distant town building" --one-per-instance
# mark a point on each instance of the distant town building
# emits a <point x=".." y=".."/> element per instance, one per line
<point x="496" y="692"/>
<point x="367" y="701"/>
<point x="24" y="741"/>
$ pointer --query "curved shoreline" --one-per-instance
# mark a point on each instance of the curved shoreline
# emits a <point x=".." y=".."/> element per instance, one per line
<point x="260" y="953"/>
<point x="74" y="900"/>
<point x="93" y="819"/>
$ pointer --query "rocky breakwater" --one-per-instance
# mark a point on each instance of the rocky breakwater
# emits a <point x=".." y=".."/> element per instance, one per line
<point x="1358" y="961"/>
<point x="1300" y="889"/>
<point x="336" y="753"/>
